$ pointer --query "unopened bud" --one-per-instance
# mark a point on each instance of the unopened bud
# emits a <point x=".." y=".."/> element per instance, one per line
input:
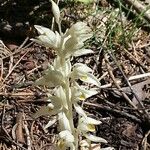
<point x="56" y="11"/>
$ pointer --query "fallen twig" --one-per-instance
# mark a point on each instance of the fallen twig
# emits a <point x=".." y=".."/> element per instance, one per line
<point x="117" y="85"/>
<point x="5" y="133"/>
<point x="140" y="76"/>
<point x="145" y="144"/>
<point x="140" y="8"/>
<point x="113" y="110"/>
<point x="17" y="94"/>
<point x="28" y="135"/>
<point x="10" y="71"/>
<point x="144" y="114"/>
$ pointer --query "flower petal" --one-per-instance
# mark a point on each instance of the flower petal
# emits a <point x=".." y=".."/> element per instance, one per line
<point x="62" y="96"/>
<point x="45" y="111"/>
<point x="79" y="110"/>
<point x="90" y="120"/>
<point x="82" y="52"/>
<point x="52" y="78"/>
<point x="46" y="41"/>
<point x="40" y="42"/>
<point x="83" y="127"/>
<point x="72" y="49"/>
<point x="107" y="148"/>
<point x="80" y="30"/>
<point x="50" y="123"/>
<point x="63" y="122"/>
<point x="67" y="136"/>
<point x="56" y="102"/>
<point x="47" y="37"/>
<point x="63" y="67"/>
<point x="95" y="138"/>
<point x="84" y="93"/>
<point x="43" y="30"/>
<point x="89" y="78"/>
<point x="79" y="67"/>
<point x="81" y="71"/>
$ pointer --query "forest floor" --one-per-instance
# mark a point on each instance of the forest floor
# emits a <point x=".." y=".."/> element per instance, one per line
<point x="121" y="60"/>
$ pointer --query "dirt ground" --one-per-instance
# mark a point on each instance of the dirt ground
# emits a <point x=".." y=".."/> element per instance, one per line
<point x="123" y="102"/>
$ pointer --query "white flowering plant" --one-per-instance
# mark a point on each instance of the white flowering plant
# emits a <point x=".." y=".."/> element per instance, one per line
<point x="62" y="76"/>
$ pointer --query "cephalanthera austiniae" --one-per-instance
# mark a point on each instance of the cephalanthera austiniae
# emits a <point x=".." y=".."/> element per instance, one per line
<point x="62" y="77"/>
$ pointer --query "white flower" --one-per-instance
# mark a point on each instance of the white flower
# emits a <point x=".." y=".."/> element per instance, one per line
<point x="56" y="105"/>
<point x="46" y="111"/>
<point x="81" y="71"/>
<point x="66" y="44"/>
<point x="66" y="140"/>
<point x="81" y="31"/>
<point x="71" y="46"/>
<point x="67" y="136"/>
<point x="52" y="78"/>
<point x="47" y="37"/>
<point x="82" y="67"/>
<point x="81" y="93"/>
<point x="63" y="67"/>
<point x="78" y="34"/>
<point x="87" y="145"/>
<point x="86" y="125"/>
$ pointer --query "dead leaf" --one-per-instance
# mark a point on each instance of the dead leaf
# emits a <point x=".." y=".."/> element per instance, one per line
<point x="139" y="89"/>
<point x="129" y="130"/>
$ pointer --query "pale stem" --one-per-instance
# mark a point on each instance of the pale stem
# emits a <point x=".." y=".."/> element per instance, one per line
<point x="59" y="28"/>
<point x="69" y="113"/>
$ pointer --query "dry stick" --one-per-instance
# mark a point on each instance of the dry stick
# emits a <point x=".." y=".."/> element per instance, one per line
<point x="7" y="106"/>
<point x="28" y="135"/>
<point x="140" y="8"/>
<point x="139" y="76"/>
<point x="144" y="75"/>
<point x="10" y="63"/>
<point x="145" y="45"/>
<point x="31" y="131"/>
<point x="7" y="135"/>
<point x="12" y="69"/>
<point x="44" y="146"/>
<point x="145" y="141"/>
<point x="114" y="111"/>
<point x="17" y="94"/>
<point x="18" y="50"/>
<point x="2" y="69"/>
<point x="128" y="83"/>
<point x="116" y="84"/>
<point x="24" y="42"/>
<point x="136" y="60"/>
